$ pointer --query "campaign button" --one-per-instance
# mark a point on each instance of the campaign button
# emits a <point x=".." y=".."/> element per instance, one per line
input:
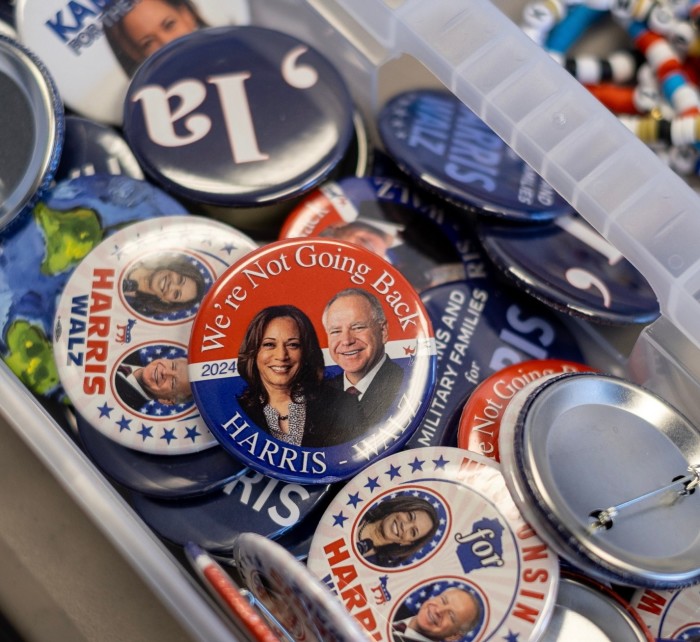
<point x="252" y="502"/>
<point x="238" y="117"/>
<point x="154" y="475"/>
<point x="39" y="254"/>
<point x="480" y="420"/>
<point x="445" y="147"/>
<point x="122" y="327"/>
<point x="428" y="542"/>
<point x="385" y="216"/>
<point x="670" y="614"/>
<point x="264" y="221"/>
<point x="575" y="452"/>
<point x="568" y="265"/>
<point x="331" y="354"/>
<point x="92" y="48"/>
<point x="481" y="327"/>
<point x="588" y="610"/>
<point x="90" y="148"/>
<point x="32" y="133"/>
<point x="302" y="608"/>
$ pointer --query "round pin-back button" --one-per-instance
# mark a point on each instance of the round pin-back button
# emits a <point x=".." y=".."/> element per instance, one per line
<point x="154" y="475"/>
<point x="568" y="265"/>
<point x="671" y="615"/>
<point x="94" y="148"/>
<point x="38" y="256"/>
<point x="7" y="21"/>
<point x="264" y="221"/>
<point x="576" y="452"/>
<point x="298" y="600"/>
<point x="261" y="117"/>
<point x="480" y="328"/>
<point x="445" y="147"/>
<point x="122" y="326"/>
<point x="428" y="541"/>
<point x="480" y="420"/>
<point x="252" y="502"/>
<point x="282" y="338"/>
<point x="32" y="132"/>
<point x="587" y="610"/>
<point x="93" y="48"/>
<point x="386" y="217"/>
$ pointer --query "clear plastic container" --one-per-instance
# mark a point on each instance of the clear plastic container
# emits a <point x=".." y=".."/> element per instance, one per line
<point x="477" y="51"/>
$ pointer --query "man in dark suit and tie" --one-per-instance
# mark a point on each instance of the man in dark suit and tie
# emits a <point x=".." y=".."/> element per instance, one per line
<point x="162" y="380"/>
<point x="357" y="332"/>
<point x="445" y="617"/>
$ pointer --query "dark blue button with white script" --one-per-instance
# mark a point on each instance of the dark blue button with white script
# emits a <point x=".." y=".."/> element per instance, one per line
<point x="252" y="502"/>
<point x="481" y="327"/>
<point x="90" y="148"/>
<point x="568" y="265"/>
<point x="444" y="146"/>
<point x="238" y="116"/>
<point x="173" y="477"/>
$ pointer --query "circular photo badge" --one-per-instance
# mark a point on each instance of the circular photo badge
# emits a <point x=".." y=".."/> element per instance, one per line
<point x="93" y="48"/>
<point x="480" y="420"/>
<point x="387" y="217"/>
<point x="670" y="615"/>
<point x="122" y="326"/>
<point x="310" y="358"/>
<point x="427" y="544"/>
<point x="39" y="256"/>
<point x="298" y="602"/>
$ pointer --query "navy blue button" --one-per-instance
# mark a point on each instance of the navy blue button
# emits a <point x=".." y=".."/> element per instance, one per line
<point x="444" y="146"/>
<point x="39" y="255"/>
<point x="252" y="503"/>
<point x="171" y="477"/>
<point x="387" y="217"/>
<point x="568" y="265"/>
<point x="238" y="116"/>
<point x="94" y="148"/>
<point x="481" y="327"/>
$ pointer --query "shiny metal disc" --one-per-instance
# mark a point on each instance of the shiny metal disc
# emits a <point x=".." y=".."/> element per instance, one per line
<point x="581" y="444"/>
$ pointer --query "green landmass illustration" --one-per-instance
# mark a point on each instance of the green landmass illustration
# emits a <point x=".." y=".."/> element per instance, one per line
<point x="69" y="236"/>
<point x="30" y="357"/>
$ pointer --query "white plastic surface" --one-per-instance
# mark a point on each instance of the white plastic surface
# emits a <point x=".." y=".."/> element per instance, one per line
<point x="610" y="177"/>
